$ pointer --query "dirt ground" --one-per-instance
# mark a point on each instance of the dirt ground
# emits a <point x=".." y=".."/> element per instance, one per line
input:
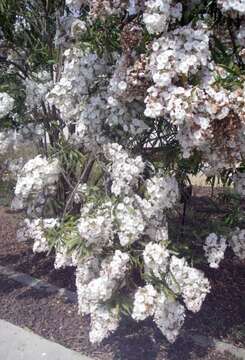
<point x="222" y="315"/>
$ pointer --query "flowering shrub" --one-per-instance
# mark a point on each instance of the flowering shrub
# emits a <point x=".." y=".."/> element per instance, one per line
<point x="130" y="98"/>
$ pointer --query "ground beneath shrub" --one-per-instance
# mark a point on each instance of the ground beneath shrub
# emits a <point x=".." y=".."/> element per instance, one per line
<point x="52" y="318"/>
<point x="20" y="257"/>
<point x="222" y="315"/>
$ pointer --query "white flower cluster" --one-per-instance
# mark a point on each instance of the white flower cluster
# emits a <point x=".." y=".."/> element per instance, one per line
<point x="237" y="242"/>
<point x="13" y="167"/>
<point x="104" y="321"/>
<point x="130" y="220"/>
<point x="182" y="279"/>
<point x="124" y="171"/>
<point x="198" y="111"/>
<point x="125" y="117"/>
<point x="6" y="104"/>
<point x="94" y="291"/>
<point x="36" y="89"/>
<point x="168" y="314"/>
<point x="96" y="226"/>
<point x="78" y="76"/>
<point x="214" y="248"/>
<point x="35" y="230"/>
<point x="176" y="56"/>
<point x="181" y="52"/>
<point x="92" y="119"/>
<point x="156" y="259"/>
<point x="74" y="4"/>
<point x="237" y="6"/>
<point x="100" y="289"/>
<point x="87" y="270"/>
<point x="37" y="175"/>
<point x="189" y="282"/>
<point x="157" y="14"/>
<point x="163" y="192"/>
<point x="144" y="302"/>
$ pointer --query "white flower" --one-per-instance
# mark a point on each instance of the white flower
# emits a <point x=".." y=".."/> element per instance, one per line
<point x="37" y="88"/>
<point x="189" y="282"/>
<point x="62" y="257"/>
<point x="237" y="242"/>
<point x="163" y="192"/>
<point x="214" y="248"/>
<point x="35" y="230"/>
<point x="103" y="322"/>
<point x="96" y="226"/>
<point x="232" y="6"/>
<point x="169" y="316"/>
<point x="79" y="73"/>
<point x="115" y="267"/>
<point x="6" y="104"/>
<point x="100" y="289"/>
<point x="158" y="14"/>
<point x="37" y="175"/>
<point x="144" y="302"/>
<point x="156" y="258"/>
<point x="124" y="170"/>
<point x="130" y="221"/>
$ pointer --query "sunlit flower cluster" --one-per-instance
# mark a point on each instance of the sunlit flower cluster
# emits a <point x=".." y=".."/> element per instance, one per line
<point x="157" y="14"/>
<point x="168" y="314"/>
<point x="156" y="259"/>
<point x="163" y="192"/>
<point x="96" y="226"/>
<point x="37" y="175"/>
<point x="125" y="171"/>
<point x="130" y="221"/>
<point x="144" y="302"/>
<point x="77" y="79"/>
<point x="93" y="292"/>
<point x="35" y="230"/>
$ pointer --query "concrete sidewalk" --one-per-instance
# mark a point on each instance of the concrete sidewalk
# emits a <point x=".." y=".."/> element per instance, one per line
<point x="19" y="344"/>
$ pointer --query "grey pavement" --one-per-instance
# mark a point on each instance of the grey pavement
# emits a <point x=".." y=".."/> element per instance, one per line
<point x="19" y="344"/>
